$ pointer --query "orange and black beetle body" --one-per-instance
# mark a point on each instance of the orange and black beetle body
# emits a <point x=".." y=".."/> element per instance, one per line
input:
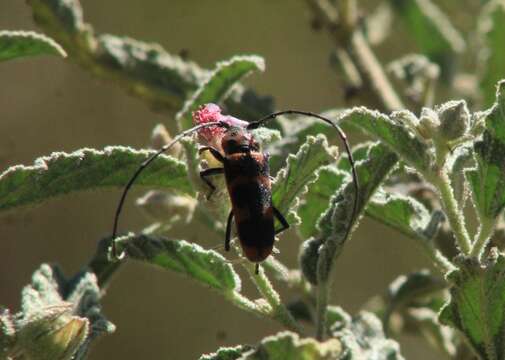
<point x="248" y="180"/>
<point x="247" y="177"/>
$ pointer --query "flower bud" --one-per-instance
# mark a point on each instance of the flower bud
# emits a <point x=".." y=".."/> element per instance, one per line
<point x="309" y="255"/>
<point x="160" y="137"/>
<point x="55" y="335"/>
<point x="163" y="206"/>
<point x="454" y="119"/>
<point x="428" y="124"/>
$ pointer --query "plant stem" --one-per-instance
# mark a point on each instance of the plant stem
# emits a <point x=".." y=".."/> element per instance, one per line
<point x="324" y="268"/>
<point x="245" y="304"/>
<point x="352" y="41"/>
<point x="348" y="11"/>
<point x="348" y="68"/>
<point x="279" y="310"/>
<point x="321" y="309"/>
<point x="451" y="208"/>
<point x="100" y="264"/>
<point x="481" y="239"/>
<point x="372" y="73"/>
<point x="441" y="261"/>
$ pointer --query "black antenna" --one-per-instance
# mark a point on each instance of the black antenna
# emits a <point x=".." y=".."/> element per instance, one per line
<point x="343" y="137"/>
<point x="144" y="165"/>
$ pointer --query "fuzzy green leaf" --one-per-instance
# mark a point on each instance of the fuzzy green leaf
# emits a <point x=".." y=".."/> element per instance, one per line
<point x="63" y="16"/>
<point x="363" y="338"/>
<point x="287" y="345"/>
<point x="146" y="70"/>
<point x="300" y="310"/>
<point x="400" y="212"/>
<point x="295" y="132"/>
<point x="317" y="199"/>
<point x="407" y="288"/>
<point x="53" y="334"/>
<point x="308" y="258"/>
<point x="330" y="179"/>
<point x="206" y="266"/>
<point x="300" y="170"/>
<point x="425" y="321"/>
<point x="359" y="153"/>
<point x="266" y="136"/>
<point x="86" y="169"/>
<point x="393" y="132"/>
<point x="371" y="171"/>
<point x="337" y="318"/>
<point x="15" y="44"/>
<point x="486" y="180"/>
<point x="430" y="27"/>
<point x="60" y="317"/>
<point x="227" y="353"/>
<point x="333" y="223"/>
<point x="219" y="83"/>
<point x="477" y="305"/>
<point x="492" y="59"/>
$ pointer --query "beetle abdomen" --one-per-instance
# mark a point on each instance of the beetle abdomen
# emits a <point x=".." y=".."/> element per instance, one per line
<point x="256" y="237"/>
<point x="248" y="182"/>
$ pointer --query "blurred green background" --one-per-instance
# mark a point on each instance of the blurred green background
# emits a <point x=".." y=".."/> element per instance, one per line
<point x="47" y="104"/>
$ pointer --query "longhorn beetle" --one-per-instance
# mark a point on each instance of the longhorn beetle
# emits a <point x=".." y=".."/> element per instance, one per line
<point x="247" y="177"/>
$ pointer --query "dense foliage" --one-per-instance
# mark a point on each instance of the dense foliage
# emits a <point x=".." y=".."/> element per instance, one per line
<point x="423" y="169"/>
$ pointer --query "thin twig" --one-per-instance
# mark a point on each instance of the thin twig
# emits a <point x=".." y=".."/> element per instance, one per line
<point x="372" y="73"/>
<point x="352" y="41"/>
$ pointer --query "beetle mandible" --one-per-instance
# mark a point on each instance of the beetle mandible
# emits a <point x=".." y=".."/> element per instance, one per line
<point x="247" y="176"/>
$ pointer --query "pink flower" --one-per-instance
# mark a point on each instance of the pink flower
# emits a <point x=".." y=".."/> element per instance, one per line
<point x="212" y="135"/>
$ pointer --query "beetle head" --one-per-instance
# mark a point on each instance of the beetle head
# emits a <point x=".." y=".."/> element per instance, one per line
<point x="238" y="139"/>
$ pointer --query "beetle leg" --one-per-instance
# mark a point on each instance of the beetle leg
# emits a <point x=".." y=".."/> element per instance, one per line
<point x="282" y="220"/>
<point x="227" y="239"/>
<point x="257" y="270"/>
<point x="215" y="152"/>
<point x="204" y="174"/>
